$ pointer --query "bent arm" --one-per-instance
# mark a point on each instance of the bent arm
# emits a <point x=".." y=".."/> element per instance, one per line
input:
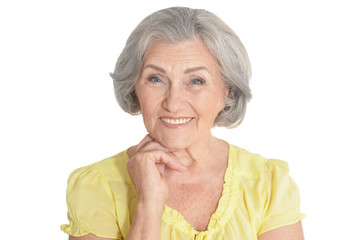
<point x="146" y="169"/>
<point x="290" y="232"/>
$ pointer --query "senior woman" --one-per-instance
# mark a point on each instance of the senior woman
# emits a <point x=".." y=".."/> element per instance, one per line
<point x="184" y="71"/>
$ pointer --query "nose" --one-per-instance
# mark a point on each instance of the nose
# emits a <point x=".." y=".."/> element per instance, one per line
<point x="174" y="99"/>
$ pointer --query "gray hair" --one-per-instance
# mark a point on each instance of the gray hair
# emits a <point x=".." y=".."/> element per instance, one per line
<point x="177" y="24"/>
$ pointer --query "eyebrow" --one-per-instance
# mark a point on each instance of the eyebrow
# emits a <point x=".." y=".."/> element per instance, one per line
<point x="188" y="70"/>
<point x="155" y="68"/>
<point x="194" y="69"/>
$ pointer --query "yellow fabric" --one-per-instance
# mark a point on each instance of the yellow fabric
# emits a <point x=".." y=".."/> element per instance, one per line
<point x="258" y="196"/>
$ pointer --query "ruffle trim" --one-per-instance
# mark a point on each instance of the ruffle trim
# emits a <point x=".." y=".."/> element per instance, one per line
<point x="77" y="229"/>
<point x="224" y="211"/>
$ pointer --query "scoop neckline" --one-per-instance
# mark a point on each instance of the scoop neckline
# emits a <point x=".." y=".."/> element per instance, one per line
<point x="219" y="216"/>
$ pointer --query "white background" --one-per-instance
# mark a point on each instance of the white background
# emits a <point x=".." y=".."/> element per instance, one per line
<point x="58" y="110"/>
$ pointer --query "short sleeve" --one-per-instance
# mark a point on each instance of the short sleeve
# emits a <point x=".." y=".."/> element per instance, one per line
<point x="282" y="203"/>
<point x="91" y="207"/>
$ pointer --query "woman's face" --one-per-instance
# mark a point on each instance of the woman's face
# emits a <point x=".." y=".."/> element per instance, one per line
<point x="180" y="92"/>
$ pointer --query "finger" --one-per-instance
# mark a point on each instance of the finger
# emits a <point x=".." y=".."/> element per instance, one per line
<point x="169" y="161"/>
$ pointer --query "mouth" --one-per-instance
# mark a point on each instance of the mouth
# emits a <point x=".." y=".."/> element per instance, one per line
<point x="175" y="122"/>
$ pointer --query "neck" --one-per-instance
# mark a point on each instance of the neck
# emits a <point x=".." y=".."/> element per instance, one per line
<point x="201" y="154"/>
<point x="202" y="164"/>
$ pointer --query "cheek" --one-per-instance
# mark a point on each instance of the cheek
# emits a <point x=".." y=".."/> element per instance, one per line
<point x="148" y="117"/>
<point x="145" y="100"/>
<point x="209" y="108"/>
<point x="148" y="108"/>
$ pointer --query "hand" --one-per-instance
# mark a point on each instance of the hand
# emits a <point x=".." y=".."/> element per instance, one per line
<point x="146" y="167"/>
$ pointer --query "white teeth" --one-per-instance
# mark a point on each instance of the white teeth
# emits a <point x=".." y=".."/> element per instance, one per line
<point x="176" y="121"/>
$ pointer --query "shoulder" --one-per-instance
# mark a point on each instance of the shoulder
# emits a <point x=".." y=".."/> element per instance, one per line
<point x="252" y="165"/>
<point x="109" y="169"/>
<point x="92" y="197"/>
<point x="268" y="185"/>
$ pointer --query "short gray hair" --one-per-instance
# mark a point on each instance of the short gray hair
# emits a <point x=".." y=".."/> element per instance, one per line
<point x="177" y="24"/>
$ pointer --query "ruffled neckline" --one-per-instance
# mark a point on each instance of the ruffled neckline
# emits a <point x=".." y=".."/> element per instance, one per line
<point x="223" y="212"/>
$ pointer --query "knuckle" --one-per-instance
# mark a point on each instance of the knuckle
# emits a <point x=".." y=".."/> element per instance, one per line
<point x="152" y="155"/>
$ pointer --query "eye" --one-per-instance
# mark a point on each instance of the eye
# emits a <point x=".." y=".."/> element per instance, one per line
<point x="198" y="81"/>
<point x="154" y="79"/>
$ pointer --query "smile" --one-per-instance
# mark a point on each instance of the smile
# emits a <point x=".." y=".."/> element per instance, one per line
<point x="175" y="121"/>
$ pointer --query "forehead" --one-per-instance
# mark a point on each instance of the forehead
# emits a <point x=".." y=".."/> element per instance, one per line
<point x="187" y="51"/>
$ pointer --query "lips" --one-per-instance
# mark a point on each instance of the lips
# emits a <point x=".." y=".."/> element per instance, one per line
<point x="175" y="121"/>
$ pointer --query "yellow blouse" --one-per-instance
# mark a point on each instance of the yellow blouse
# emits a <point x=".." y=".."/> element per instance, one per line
<point x="258" y="196"/>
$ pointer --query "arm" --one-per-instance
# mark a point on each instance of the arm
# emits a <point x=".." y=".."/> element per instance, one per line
<point x="146" y="223"/>
<point x="290" y="232"/>
<point x="146" y="169"/>
<point x="146" y="165"/>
